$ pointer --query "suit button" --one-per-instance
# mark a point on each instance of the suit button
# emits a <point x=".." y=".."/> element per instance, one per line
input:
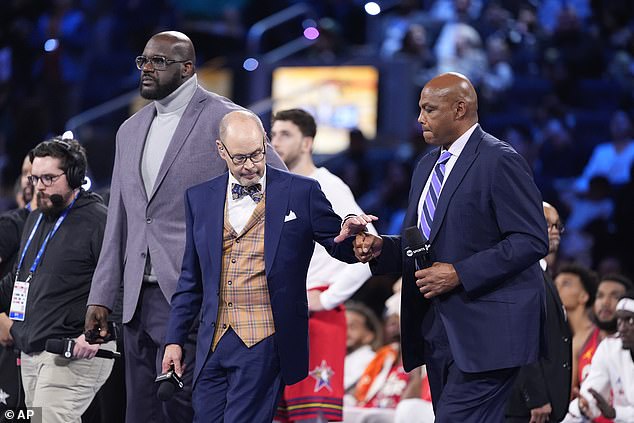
<point x="566" y="339"/>
<point x="233" y="260"/>
<point x="229" y="283"/>
<point x="230" y="304"/>
<point x="213" y="323"/>
<point x="148" y="220"/>
<point x="566" y="365"/>
<point x="237" y="241"/>
<point x="218" y="293"/>
<point x="224" y="326"/>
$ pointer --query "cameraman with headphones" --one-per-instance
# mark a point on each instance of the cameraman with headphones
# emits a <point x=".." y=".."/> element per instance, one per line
<point x="45" y="296"/>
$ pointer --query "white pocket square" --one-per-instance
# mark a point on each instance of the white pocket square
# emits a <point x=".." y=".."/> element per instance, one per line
<point x="290" y="216"/>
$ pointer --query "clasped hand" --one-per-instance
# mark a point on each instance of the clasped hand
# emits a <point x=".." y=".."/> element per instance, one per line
<point x="365" y="245"/>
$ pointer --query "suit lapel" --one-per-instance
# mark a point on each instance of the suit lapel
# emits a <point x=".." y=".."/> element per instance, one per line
<point x="464" y="162"/>
<point x="214" y="226"/>
<point x="277" y="196"/>
<point x="145" y="120"/>
<point x="184" y="128"/>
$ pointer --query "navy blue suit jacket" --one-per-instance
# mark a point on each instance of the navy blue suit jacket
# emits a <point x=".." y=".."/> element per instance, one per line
<point x="288" y="248"/>
<point x="490" y="225"/>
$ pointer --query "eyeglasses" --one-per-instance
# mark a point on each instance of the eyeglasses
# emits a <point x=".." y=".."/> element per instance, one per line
<point x="559" y="226"/>
<point x="158" y="62"/>
<point x="47" y="180"/>
<point x="240" y="159"/>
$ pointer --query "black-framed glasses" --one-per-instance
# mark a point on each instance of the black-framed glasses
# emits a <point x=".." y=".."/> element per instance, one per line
<point x="159" y="63"/>
<point x="47" y="180"/>
<point x="240" y="159"/>
<point x="559" y="226"/>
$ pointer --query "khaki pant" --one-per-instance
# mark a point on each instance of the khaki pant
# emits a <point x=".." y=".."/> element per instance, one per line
<point x="63" y="388"/>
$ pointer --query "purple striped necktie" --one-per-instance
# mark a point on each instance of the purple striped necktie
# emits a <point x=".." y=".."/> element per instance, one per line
<point x="431" y="199"/>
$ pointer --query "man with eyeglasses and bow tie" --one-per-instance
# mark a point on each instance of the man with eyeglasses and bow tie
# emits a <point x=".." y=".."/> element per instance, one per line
<point x="249" y="240"/>
<point x="163" y="149"/>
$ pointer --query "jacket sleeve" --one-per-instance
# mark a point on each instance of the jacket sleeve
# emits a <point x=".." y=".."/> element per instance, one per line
<point x="532" y="386"/>
<point x="187" y="299"/>
<point x="109" y="271"/>
<point x="390" y="262"/>
<point x="6" y="290"/>
<point x="517" y="207"/>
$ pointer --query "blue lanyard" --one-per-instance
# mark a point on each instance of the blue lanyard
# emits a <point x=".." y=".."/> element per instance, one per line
<point x="40" y="253"/>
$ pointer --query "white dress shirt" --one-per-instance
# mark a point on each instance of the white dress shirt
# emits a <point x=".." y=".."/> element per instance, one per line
<point x="239" y="211"/>
<point x="455" y="149"/>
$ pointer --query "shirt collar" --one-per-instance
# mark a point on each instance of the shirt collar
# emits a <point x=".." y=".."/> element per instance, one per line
<point x="179" y="98"/>
<point x="456" y="148"/>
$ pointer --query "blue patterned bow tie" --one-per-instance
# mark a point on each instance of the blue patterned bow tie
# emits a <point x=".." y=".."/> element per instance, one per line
<point x="254" y="191"/>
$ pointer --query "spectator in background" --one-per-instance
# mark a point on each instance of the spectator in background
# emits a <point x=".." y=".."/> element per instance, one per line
<point x="612" y="159"/>
<point x="498" y="76"/>
<point x="384" y="380"/>
<point x="551" y="10"/>
<point x="555" y="230"/>
<point x="542" y="390"/>
<point x="363" y="337"/>
<point x="608" y="391"/>
<point x="416" y="49"/>
<point x="329" y="282"/>
<point x="589" y="224"/>
<point x="577" y="288"/>
<point x="396" y="25"/>
<point x="557" y="142"/>
<point x="12" y="222"/>
<point x="459" y="49"/>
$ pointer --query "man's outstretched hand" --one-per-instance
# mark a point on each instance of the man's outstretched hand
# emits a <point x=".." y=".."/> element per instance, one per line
<point x="354" y="225"/>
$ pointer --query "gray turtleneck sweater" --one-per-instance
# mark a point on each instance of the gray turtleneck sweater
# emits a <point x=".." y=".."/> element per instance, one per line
<point x="169" y="111"/>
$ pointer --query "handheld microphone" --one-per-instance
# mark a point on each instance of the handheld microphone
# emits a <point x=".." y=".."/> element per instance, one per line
<point x="416" y="247"/>
<point x="168" y="382"/>
<point x="64" y="347"/>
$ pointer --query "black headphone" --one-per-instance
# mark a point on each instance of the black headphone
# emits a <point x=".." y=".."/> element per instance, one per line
<point x="74" y="174"/>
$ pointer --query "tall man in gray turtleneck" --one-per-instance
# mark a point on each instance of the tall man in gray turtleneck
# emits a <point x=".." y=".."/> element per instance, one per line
<point x="163" y="149"/>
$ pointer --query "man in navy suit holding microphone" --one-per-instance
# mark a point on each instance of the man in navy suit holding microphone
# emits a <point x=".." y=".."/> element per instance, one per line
<point x="249" y="238"/>
<point x="473" y="298"/>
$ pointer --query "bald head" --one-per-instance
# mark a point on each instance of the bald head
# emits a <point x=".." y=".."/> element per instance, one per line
<point x="455" y="87"/>
<point x="449" y="107"/>
<point x="181" y="45"/>
<point x="161" y="79"/>
<point x="238" y="120"/>
<point x="241" y="146"/>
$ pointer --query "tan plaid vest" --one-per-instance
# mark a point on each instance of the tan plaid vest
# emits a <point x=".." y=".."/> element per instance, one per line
<point x="244" y="303"/>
